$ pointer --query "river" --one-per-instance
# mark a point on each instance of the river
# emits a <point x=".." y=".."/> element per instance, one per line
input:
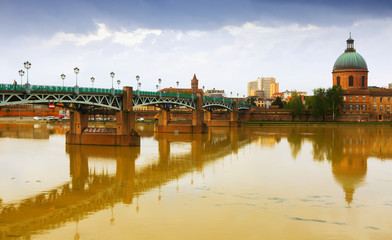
<point x="253" y="182"/>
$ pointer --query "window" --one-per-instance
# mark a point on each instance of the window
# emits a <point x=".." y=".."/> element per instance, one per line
<point x="363" y="107"/>
<point x="380" y="99"/>
<point x="351" y="81"/>
<point x="357" y="107"/>
<point x="381" y="108"/>
<point x="351" y="98"/>
<point x="344" y="107"/>
<point x="374" y="99"/>
<point x="356" y="98"/>
<point x="344" y="98"/>
<point x="363" y="98"/>
<point x="350" y="107"/>
<point x="375" y="108"/>
<point x="338" y="81"/>
<point x="363" y="81"/>
<point x="388" y="108"/>
<point x="389" y="99"/>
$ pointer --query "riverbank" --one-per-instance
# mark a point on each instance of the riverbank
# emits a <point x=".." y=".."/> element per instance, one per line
<point x="260" y="123"/>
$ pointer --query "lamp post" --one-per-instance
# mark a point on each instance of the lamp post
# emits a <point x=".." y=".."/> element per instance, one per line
<point x="118" y="84"/>
<point x="27" y="65"/>
<point x="112" y="76"/>
<point x="137" y="82"/>
<point x="177" y="88"/>
<point x="157" y="87"/>
<point x="21" y="73"/>
<point x="138" y="86"/>
<point x="204" y="96"/>
<point x="159" y="81"/>
<point x="62" y="77"/>
<point x="92" y="81"/>
<point x="76" y="71"/>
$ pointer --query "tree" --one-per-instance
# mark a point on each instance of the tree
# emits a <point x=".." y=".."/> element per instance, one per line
<point x="278" y="101"/>
<point x="319" y="103"/>
<point x="296" y="105"/>
<point x="335" y="100"/>
<point x="251" y="101"/>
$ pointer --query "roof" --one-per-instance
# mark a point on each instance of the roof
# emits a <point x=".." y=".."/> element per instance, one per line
<point x="371" y="92"/>
<point x="350" y="60"/>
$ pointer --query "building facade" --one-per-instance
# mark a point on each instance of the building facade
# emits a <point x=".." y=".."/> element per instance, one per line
<point x="266" y="86"/>
<point x="360" y="102"/>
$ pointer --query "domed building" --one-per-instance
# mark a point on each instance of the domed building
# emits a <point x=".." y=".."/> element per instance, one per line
<point x="350" y="69"/>
<point x="360" y="102"/>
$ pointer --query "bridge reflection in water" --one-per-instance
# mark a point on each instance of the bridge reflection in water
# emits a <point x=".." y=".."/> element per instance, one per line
<point x="91" y="190"/>
<point x="346" y="150"/>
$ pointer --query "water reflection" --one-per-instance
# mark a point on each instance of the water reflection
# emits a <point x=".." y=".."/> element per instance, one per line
<point x="91" y="189"/>
<point x="31" y="130"/>
<point x="346" y="147"/>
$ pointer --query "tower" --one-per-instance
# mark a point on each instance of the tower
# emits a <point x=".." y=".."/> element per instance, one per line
<point x="350" y="69"/>
<point x="194" y="83"/>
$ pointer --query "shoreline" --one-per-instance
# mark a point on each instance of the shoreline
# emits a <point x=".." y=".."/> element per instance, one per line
<point x="245" y="123"/>
<point x="260" y="123"/>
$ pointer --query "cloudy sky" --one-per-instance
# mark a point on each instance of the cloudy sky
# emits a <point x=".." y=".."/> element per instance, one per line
<point x="227" y="43"/>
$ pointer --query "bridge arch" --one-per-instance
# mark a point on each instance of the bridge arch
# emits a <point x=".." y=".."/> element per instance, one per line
<point x="100" y="100"/>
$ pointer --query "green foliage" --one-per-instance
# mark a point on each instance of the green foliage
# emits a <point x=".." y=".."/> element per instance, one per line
<point x="335" y="100"/>
<point x="296" y="106"/>
<point x="318" y="104"/>
<point x="323" y="101"/>
<point x="251" y="101"/>
<point x="278" y="101"/>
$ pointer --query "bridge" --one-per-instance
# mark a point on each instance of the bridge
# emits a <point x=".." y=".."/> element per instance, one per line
<point x="87" y="101"/>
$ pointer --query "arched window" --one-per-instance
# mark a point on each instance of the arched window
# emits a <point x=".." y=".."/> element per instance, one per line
<point x="338" y="81"/>
<point x="363" y="81"/>
<point x="351" y="81"/>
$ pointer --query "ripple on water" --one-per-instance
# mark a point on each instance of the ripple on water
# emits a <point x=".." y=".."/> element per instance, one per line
<point x="277" y="200"/>
<point x="372" y="228"/>
<point x="316" y="220"/>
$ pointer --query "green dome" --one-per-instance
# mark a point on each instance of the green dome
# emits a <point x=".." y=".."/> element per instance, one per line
<point x="350" y="60"/>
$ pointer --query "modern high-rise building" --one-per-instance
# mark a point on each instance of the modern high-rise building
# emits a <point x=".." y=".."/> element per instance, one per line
<point x="268" y="86"/>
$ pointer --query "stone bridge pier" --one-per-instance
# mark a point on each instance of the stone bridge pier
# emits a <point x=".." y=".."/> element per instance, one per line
<point x="123" y="135"/>
<point x="233" y="120"/>
<point x="197" y="124"/>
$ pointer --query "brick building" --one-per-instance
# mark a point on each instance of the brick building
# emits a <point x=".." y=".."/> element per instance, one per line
<point x="360" y="103"/>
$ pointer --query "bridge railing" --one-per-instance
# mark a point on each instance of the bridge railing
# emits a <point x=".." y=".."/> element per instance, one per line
<point x="10" y="87"/>
<point x="146" y="93"/>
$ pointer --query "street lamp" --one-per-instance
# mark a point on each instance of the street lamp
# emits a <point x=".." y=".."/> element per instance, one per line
<point x="157" y="87"/>
<point x="27" y="65"/>
<point x="76" y="71"/>
<point x="138" y="86"/>
<point x="118" y="84"/>
<point x="62" y="77"/>
<point x="92" y="81"/>
<point x="177" y="88"/>
<point x="112" y="76"/>
<point x="137" y="82"/>
<point x="21" y="73"/>
<point x="159" y="81"/>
